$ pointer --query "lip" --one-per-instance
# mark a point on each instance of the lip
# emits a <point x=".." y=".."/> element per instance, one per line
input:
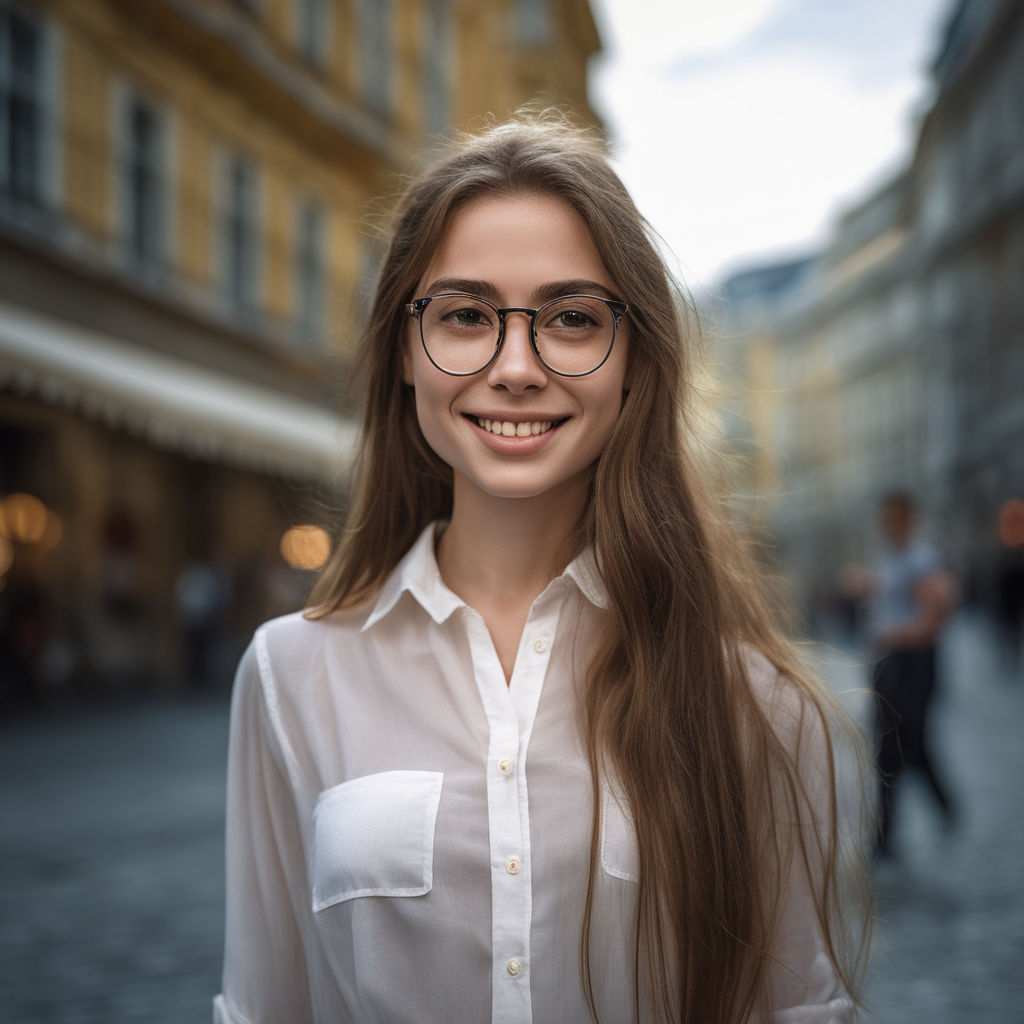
<point x="515" y="445"/>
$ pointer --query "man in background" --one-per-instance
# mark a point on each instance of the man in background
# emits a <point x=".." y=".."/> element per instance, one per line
<point x="912" y="596"/>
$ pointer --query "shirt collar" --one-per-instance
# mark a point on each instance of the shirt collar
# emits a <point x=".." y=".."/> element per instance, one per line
<point x="418" y="574"/>
<point x="584" y="572"/>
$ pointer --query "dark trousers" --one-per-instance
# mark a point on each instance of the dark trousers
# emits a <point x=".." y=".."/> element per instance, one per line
<point x="904" y="683"/>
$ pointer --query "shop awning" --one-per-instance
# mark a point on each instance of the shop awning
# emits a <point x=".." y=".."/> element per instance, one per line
<point x="170" y="402"/>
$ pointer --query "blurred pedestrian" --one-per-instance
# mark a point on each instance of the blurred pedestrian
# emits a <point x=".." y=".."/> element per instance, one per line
<point x="537" y="750"/>
<point x="912" y="597"/>
<point x="1009" y="585"/>
<point x="201" y="600"/>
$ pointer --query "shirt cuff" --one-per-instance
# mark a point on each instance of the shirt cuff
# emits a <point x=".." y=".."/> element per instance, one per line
<point x="225" y="1013"/>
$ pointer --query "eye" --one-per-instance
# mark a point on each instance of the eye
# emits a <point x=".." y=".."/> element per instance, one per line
<point x="575" y="314"/>
<point x="460" y="314"/>
<point x="572" y="318"/>
<point x="470" y="316"/>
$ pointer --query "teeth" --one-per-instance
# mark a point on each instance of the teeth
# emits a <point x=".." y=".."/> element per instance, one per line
<point x="506" y="428"/>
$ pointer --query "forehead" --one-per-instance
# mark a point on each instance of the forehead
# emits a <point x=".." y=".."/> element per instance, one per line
<point x="518" y="243"/>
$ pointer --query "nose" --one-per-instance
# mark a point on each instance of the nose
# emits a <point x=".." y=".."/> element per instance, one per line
<point x="517" y="367"/>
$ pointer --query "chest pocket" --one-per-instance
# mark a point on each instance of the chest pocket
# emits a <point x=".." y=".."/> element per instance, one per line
<point x="374" y="836"/>
<point x="620" y="857"/>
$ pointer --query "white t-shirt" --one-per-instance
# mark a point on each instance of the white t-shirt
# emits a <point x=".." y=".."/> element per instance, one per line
<point x="899" y="571"/>
<point x="408" y="836"/>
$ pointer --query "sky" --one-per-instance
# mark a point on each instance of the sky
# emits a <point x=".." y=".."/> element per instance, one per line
<point x="744" y="128"/>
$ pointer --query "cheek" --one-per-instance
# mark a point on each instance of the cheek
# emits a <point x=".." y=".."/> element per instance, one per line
<point x="432" y="396"/>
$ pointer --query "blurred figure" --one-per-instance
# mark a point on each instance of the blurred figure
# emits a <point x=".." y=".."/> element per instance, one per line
<point x="26" y="622"/>
<point x="200" y="596"/>
<point x="911" y="598"/>
<point x="1010" y="607"/>
<point x="1009" y="584"/>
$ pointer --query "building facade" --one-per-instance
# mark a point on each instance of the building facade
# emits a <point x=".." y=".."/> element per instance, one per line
<point x="189" y="195"/>
<point x="895" y="358"/>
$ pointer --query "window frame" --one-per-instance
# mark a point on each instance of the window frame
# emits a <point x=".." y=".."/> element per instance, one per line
<point x="129" y="97"/>
<point x="246" y="301"/>
<point x="49" y="144"/>
<point x="313" y="31"/>
<point x="310" y="268"/>
<point x="376" y="29"/>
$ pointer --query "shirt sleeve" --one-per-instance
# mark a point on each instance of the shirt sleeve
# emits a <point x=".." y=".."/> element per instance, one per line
<point x="265" y="976"/>
<point x="804" y="983"/>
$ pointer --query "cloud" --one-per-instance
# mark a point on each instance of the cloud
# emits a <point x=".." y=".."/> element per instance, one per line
<point x="757" y="148"/>
<point x="653" y="33"/>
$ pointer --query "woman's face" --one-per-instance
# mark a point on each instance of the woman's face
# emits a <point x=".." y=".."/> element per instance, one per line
<point x="517" y="250"/>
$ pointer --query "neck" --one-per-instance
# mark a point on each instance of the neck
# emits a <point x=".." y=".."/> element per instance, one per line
<point x="509" y="549"/>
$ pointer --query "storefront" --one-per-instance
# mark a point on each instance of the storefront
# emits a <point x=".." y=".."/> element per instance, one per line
<point x="143" y="505"/>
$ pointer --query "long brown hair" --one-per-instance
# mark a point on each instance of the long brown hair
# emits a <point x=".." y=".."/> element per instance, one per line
<point x="719" y="780"/>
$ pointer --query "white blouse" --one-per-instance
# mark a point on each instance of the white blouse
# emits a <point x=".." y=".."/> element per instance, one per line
<point x="408" y="835"/>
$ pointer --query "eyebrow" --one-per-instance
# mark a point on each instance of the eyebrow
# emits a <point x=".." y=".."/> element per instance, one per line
<point x="544" y="293"/>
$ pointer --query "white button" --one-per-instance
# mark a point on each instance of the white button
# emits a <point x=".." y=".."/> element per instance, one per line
<point x="512" y="865"/>
<point x="504" y="766"/>
<point x="513" y="967"/>
<point x="540" y="646"/>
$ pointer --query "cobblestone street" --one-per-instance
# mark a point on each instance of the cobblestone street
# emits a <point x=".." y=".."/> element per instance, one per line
<point x="111" y="874"/>
<point x="111" y="879"/>
<point x="949" y="944"/>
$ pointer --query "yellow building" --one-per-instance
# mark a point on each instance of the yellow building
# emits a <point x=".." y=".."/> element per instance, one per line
<point x="188" y="196"/>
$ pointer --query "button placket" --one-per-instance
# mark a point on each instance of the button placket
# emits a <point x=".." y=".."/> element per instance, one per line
<point x="511" y="711"/>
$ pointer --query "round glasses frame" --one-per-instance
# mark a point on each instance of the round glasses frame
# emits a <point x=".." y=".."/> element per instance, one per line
<point x="618" y="310"/>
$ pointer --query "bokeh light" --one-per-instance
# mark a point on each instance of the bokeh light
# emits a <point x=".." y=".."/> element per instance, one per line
<point x="23" y="518"/>
<point x="53" y="532"/>
<point x="6" y="555"/>
<point x="305" y="547"/>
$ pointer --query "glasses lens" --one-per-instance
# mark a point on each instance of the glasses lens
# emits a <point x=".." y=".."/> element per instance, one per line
<point x="460" y="332"/>
<point x="575" y="334"/>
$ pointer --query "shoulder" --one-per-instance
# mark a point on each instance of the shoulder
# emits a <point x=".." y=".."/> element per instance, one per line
<point x="799" y="711"/>
<point x="295" y="680"/>
<point x="289" y="656"/>
<point x="777" y="694"/>
<point x="301" y="636"/>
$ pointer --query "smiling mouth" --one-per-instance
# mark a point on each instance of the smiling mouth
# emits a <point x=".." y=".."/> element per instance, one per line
<point x="506" y="428"/>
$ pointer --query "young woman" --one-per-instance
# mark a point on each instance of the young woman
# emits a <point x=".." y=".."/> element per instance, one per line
<point x="537" y="751"/>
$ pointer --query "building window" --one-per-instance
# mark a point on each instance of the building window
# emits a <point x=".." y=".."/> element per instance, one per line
<point x="239" y="234"/>
<point x="437" y="66"/>
<point x="533" y="22"/>
<point x="144" y="188"/>
<point x="310" y="270"/>
<point x="375" y="23"/>
<point x="23" y="109"/>
<point x="312" y="30"/>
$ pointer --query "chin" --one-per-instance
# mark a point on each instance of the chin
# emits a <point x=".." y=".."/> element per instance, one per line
<point x="524" y="485"/>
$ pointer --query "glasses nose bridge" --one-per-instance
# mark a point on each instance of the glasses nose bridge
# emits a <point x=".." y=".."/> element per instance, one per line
<point x="530" y="314"/>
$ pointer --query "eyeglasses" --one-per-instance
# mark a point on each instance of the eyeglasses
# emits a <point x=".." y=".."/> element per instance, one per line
<point x="571" y="335"/>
